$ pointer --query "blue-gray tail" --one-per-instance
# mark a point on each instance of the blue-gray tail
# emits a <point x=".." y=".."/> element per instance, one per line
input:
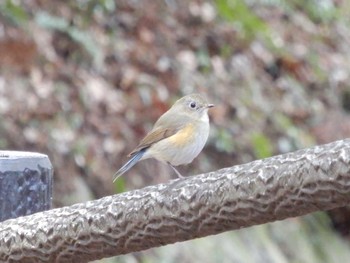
<point x="134" y="159"/>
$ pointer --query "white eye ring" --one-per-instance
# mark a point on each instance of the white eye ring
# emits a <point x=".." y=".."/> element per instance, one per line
<point x="193" y="105"/>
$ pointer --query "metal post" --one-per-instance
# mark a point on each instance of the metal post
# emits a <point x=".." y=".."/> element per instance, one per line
<point x="25" y="183"/>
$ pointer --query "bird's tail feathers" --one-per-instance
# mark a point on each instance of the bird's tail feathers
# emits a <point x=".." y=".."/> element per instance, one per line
<point x="134" y="159"/>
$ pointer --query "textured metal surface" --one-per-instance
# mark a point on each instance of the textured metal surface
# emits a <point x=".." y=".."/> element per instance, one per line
<point x="258" y="192"/>
<point x="25" y="183"/>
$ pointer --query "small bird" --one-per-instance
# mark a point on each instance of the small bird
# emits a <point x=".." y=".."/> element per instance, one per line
<point x="177" y="137"/>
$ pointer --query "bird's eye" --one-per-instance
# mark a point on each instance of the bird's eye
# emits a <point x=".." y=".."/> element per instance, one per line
<point x="193" y="105"/>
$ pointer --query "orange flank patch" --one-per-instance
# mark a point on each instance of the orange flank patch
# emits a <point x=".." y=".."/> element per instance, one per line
<point x="184" y="136"/>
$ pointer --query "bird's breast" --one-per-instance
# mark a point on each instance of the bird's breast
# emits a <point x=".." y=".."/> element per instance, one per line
<point x="188" y="143"/>
<point x="182" y="147"/>
<point x="184" y="136"/>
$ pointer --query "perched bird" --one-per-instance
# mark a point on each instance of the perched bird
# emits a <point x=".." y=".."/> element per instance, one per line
<point x="177" y="137"/>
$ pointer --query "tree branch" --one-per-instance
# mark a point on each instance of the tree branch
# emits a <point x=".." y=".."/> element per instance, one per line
<point x="262" y="191"/>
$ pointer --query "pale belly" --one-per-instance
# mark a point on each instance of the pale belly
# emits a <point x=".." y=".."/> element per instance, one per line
<point x="180" y="148"/>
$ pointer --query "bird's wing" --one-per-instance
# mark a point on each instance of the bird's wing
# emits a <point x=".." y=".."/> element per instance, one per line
<point x="167" y="125"/>
<point x="154" y="136"/>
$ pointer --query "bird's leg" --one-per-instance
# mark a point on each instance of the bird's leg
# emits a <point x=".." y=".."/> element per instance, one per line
<point x="176" y="171"/>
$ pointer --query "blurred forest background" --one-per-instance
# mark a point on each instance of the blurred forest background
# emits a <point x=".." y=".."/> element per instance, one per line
<point x="84" y="81"/>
